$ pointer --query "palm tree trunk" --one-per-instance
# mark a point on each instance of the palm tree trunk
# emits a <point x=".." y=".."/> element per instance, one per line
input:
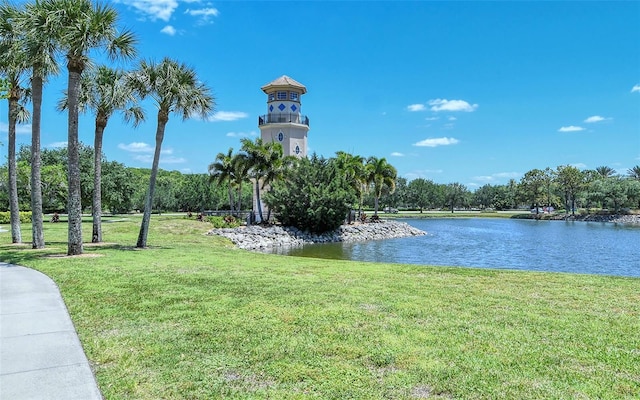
<point x="146" y="217"/>
<point x="96" y="211"/>
<point x="16" y="234"/>
<point x="37" y="241"/>
<point x="230" y="192"/>
<point x="258" y="202"/>
<point x="240" y="199"/>
<point x="74" y="205"/>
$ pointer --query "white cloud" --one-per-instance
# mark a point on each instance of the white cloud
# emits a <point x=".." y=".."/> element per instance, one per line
<point x="595" y="118"/>
<point x="571" y="128"/>
<point x="451" y="105"/>
<point x="432" y="118"/>
<point x="435" y="142"/>
<point x="425" y="173"/>
<point x="148" y="159"/>
<point x="397" y="154"/>
<point x="141" y="147"/>
<point x="635" y="88"/>
<point x="497" y="176"/>
<point x="169" y="30"/>
<point x="579" y="165"/>
<point x="154" y="9"/>
<point x="204" y="13"/>
<point x="452" y="118"/>
<point x="58" y="145"/>
<point x="227" y="116"/>
<point x="242" y="134"/>
<point x="416" y="107"/>
<point x="20" y="128"/>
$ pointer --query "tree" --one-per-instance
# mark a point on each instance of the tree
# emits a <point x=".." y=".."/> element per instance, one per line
<point x="315" y="196"/>
<point x="266" y="164"/>
<point x="221" y="171"/>
<point x="605" y="172"/>
<point x="175" y="88"/>
<point x="240" y="175"/>
<point x="78" y="27"/>
<point x="421" y="193"/>
<point x="634" y="172"/>
<point x="13" y="68"/>
<point x="382" y="176"/>
<point x="352" y="166"/>
<point x="455" y="195"/>
<point x="571" y="181"/>
<point x="104" y="91"/>
<point x="532" y="187"/>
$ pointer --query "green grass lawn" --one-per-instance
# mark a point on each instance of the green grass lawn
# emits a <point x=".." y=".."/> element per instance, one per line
<point x="193" y="318"/>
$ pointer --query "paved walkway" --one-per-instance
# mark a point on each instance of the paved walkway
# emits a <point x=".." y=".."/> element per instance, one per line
<point x="40" y="353"/>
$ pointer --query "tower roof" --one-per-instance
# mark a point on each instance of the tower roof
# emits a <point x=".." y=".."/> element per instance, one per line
<point x="284" y="82"/>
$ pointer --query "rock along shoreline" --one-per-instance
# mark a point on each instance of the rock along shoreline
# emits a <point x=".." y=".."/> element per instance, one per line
<point x="256" y="237"/>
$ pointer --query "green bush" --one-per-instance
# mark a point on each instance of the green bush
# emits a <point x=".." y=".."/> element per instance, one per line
<point x="5" y="217"/>
<point x="223" y="222"/>
<point x="314" y="196"/>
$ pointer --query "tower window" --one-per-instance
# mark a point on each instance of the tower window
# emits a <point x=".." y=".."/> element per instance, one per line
<point x="272" y="96"/>
<point x="280" y="137"/>
<point x="282" y="95"/>
<point x="293" y="96"/>
<point x="297" y="149"/>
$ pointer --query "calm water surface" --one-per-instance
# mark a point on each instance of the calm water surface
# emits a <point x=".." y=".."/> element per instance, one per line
<point x="577" y="247"/>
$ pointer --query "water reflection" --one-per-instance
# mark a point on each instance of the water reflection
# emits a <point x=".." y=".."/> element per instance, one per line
<point x="580" y="247"/>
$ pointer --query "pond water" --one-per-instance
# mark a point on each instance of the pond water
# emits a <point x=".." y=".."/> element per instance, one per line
<point x="558" y="246"/>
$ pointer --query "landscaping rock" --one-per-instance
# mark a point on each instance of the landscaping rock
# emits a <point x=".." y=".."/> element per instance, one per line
<point x="262" y="237"/>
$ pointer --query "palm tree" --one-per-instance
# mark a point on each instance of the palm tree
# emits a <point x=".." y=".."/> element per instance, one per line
<point x="104" y="91"/>
<point x="381" y="175"/>
<point x="353" y="168"/>
<point x="605" y="172"/>
<point x="240" y="175"/>
<point x="13" y="67"/>
<point x="266" y="164"/>
<point x="175" y="88"/>
<point x="221" y="171"/>
<point x="40" y="51"/>
<point x="634" y="172"/>
<point x="79" y="27"/>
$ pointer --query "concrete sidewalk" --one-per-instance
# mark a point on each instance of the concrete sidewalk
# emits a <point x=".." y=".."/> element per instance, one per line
<point x="40" y="353"/>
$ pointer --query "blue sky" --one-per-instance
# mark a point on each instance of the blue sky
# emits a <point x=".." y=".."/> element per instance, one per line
<point x="469" y="92"/>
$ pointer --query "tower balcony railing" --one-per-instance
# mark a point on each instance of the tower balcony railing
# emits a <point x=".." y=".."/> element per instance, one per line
<point x="283" y="118"/>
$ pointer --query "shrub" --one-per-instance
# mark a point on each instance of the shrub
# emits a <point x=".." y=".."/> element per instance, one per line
<point x="5" y="217"/>
<point x="224" y="222"/>
<point x="314" y="196"/>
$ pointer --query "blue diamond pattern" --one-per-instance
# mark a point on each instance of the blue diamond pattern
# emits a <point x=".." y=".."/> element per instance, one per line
<point x="271" y="108"/>
<point x="293" y="107"/>
<point x="282" y="107"/>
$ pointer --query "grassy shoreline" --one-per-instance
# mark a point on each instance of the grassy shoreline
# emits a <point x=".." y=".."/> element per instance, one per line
<point x="191" y="317"/>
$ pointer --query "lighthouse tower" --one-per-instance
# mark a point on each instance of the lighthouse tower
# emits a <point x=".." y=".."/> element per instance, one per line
<point x="284" y="122"/>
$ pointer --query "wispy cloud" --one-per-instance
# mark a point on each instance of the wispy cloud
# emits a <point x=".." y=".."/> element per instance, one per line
<point x="435" y="142"/>
<point x="635" y="88"/>
<point x="579" y="165"/>
<point x="141" y="147"/>
<point x="204" y="14"/>
<point x="242" y="134"/>
<point x="499" y="176"/>
<point x="169" y="30"/>
<point x="20" y="129"/>
<point x="424" y="173"/>
<point x="397" y="154"/>
<point x="148" y="159"/>
<point x="595" y="118"/>
<point x="227" y="116"/>
<point x="571" y="128"/>
<point x="57" y="145"/>
<point x="416" y="107"/>
<point x="153" y="9"/>
<point x="432" y="118"/>
<point x="451" y="105"/>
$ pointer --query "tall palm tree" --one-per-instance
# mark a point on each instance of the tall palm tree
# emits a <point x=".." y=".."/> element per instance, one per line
<point x="40" y="50"/>
<point x="78" y="27"/>
<point x="240" y="175"/>
<point x="605" y="172"/>
<point x="221" y="171"/>
<point x="13" y="67"/>
<point x="175" y="88"/>
<point x="266" y="164"/>
<point x="353" y="168"/>
<point x="104" y="91"/>
<point x="634" y="172"/>
<point x="382" y="176"/>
